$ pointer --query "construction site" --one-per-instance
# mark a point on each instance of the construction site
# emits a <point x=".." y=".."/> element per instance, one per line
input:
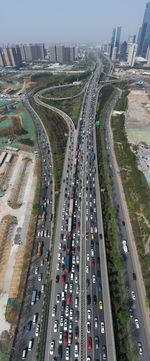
<point x="17" y="189"/>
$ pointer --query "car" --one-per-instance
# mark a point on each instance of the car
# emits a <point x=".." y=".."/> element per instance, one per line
<point x="94" y="299"/>
<point x="88" y="358"/>
<point x="66" y="287"/>
<point x="72" y="276"/>
<point x="87" y="269"/>
<point x="130" y="310"/>
<point x="35" y="318"/>
<point x="76" y="279"/>
<point x="140" y="349"/>
<point x="54" y="311"/>
<point x="65" y="338"/>
<point x="70" y="339"/>
<point x="37" y="330"/>
<point x="93" y="278"/>
<point x="104" y="353"/>
<point x="76" y="332"/>
<point x="63" y="305"/>
<point x="67" y="356"/>
<point x="71" y="314"/>
<point x="123" y="223"/>
<point x="61" y="321"/>
<point x="71" y="287"/>
<point x="88" y="300"/>
<point x="63" y="278"/>
<point x="67" y="310"/>
<point x="77" y="289"/>
<point x="58" y="266"/>
<point x="58" y="297"/>
<point x="55" y="326"/>
<point x="89" y="314"/>
<point x="96" y="322"/>
<point x="76" y="302"/>
<point x="65" y="324"/>
<point x="68" y="301"/>
<point x="28" y="326"/>
<point x="134" y="276"/>
<point x="42" y="262"/>
<point x="76" y="316"/>
<point x="36" y="270"/>
<point x="40" y="277"/>
<point x="89" y="343"/>
<point x="70" y="326"/>
<point x="88" y="327"/>
<point x="60" y="337"/>
<point x="24" y="354"/>
<point x="57" y="278"/>
<point x="100" y="304"/>
<point x="96" y="339"/>
<point x="52" y="347"/>
<point x="124" y="245"/>
<point x="60" y="351"/>
<point x="43" y="288"/>
<point x="133" y="295"/>
<point x="76" y="350"/>
<point x="137" y="325"/>
<point x="102" y="327"/>
<point x="87" y="283"/>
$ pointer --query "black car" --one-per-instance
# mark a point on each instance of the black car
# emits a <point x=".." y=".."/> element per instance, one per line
<point x="57" y="278"/>
<point x="28" y="326"/>
<point x="77" y="331"/>
<point x="88" y="300"/>
<point x="94" y="299"/>
<point x="87" y="283"/>
<point x="60" y="351"/>
<point x="77" y="316"/>
<point x="63" y="305"/>
<point x="134" y="276"/>
<point x="104" y="353"/>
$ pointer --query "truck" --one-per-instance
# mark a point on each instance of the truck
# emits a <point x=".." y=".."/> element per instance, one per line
<point x="71" y="207"/>
<point x="69" y="225"/>
<point x="68" y="263"/>
<point x="33" y="299"/>
<point x="39" y="249"/>
<point x="69" y="245"/>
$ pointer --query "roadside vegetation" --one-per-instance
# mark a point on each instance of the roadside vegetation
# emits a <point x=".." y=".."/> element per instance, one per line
<point x="118" y="282"/>
<point x="65" y="92"/>
<point x="136" y="190"/>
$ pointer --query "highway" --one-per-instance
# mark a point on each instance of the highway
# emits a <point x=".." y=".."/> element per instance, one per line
<point x="136" y="294"/>
<point x="30" y="316"/>
<point x="73" y="334"/>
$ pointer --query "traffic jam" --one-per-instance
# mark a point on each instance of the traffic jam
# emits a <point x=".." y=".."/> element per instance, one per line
<point x="66" y="312"/>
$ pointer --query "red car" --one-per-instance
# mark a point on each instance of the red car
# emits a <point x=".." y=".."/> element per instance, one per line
<point x="93" y="262"/>
<point x="89" y="344"/>
<point x="63" y="278"/>
<point x="65" y="338"/>
<point x="68" y="299"/>
<point x="78" y="249"/>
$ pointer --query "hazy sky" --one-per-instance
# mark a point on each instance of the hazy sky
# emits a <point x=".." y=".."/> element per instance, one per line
<point x="68" y="20"/>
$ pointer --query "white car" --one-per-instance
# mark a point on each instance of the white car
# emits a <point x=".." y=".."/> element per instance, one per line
<point x="69" y="338"/>
<point x="96" y="322"/>
<point x="76" y="350"/>
<point x="65" y="324"/>
<point x="71" y="287"/>
<point x="36" y="270"/>
<point x="67" y="309"/>
<point x="124" y="245"/>
<point x="102" y="327"/>
<point x="40" y="277"/>
<point x="88" y="257"/>
<point x="52" y="347"/>
<point x="93" y="279"/>
<point x="58" y="298"/>
<point x="89" y="314"/>
<point x="60" y="337"/>
<point x="70" y="327"/>
<point x="71" y="314"/>
<point x="56" y="326"/>
<point x="61" y="321"/>
<point x="76" y="279"/>
<point x="66" y="287"/>
<point x="133" y="295"/>
<point x="54" y="311"/>
<point x="88" y="326"/>
<point x="67" y="356"/>
<point x="87" y="269"/>
<point x="58" y="266"/>
<point x="63" y="295"/>
<point x="37" y="330"/>
<point x="137" y="325"/>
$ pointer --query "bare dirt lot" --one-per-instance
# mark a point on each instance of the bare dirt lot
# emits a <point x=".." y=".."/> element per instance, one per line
<point x="14" y="224"/>
<point x="138" y="117"/>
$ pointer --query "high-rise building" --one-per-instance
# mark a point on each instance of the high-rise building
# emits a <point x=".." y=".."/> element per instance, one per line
<point x="52" y="54"/>
<point x="32" y="52"/>
<point x="144" y="41"/>
<point x="132" y="54"/>
<point x="2" y="57"/>
<point x="60" y="53"/>
<point x="148" y="56"/>
<point x="115" y="41"/>
<point x="123" y="51"/>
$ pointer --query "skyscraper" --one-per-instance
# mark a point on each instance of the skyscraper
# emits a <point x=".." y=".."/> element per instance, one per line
<point x="132" y="54"/>
<point x="123" y="51"/>
<point x="144" y="41"/>
<point x="115" y="41"/>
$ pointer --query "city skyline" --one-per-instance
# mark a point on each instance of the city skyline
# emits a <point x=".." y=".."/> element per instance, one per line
<point x="68" y="22"/>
